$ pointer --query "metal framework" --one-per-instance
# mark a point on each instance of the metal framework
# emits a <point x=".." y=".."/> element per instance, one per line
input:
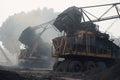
<point x="86" y="16"/>
<point x="86" y="13"/>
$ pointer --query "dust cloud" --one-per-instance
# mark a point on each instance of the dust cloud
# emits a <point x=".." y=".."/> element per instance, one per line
<point x="12" y="28"/>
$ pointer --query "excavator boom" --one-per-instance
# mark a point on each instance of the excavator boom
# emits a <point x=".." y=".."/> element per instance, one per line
<point x="87" y="14"/>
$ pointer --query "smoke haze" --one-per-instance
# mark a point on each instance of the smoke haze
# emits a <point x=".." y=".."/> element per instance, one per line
<point x="12" y="28"/>
<point x="15" y="24"/>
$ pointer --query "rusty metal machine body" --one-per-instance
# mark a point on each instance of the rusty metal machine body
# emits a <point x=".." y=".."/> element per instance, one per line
<point x="83" y="46"/>
<point x="86" y="43"/>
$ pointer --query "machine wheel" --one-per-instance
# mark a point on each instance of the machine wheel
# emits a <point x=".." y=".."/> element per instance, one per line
<point x="101" y="65"/>
<point x="60" y="67"/>
<point x="75" y="66"/>
<point x="90" y="65"/>
<point x="64" y="66"/>
<point x="55" y="66"/>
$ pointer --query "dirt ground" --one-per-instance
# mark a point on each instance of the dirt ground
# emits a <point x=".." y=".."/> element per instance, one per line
<point x="112" y="73"/>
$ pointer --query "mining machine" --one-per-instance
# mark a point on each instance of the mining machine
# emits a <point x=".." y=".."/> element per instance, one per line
<point x="35" y="53"/>
<point x="83" y="46"/>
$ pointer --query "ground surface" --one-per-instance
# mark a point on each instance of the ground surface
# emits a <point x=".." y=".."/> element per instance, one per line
<point x="7" y="73"/>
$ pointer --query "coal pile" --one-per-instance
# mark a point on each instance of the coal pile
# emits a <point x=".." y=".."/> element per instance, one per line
<point x="21" y="75"/>
<point x="69" y="20"/>
<point x="7" y="75"/>
<point x="96" y="74"/>
<point x="112" y="73"/>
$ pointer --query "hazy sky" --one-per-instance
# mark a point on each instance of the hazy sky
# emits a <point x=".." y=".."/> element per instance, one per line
<point x="10" y="7"/>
